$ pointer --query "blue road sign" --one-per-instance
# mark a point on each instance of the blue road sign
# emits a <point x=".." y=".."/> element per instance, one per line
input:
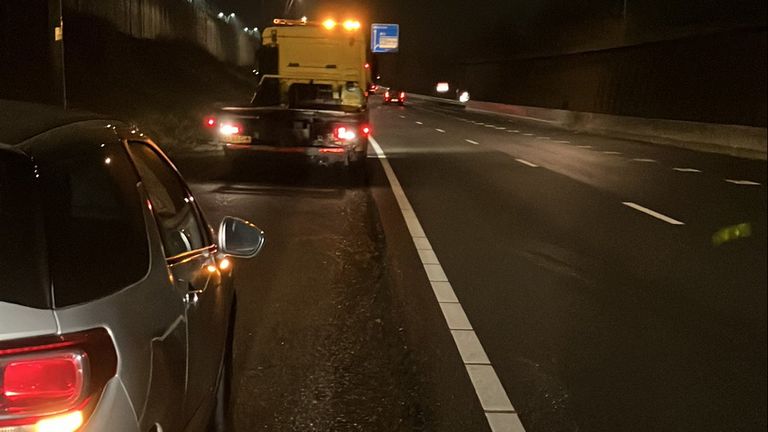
<point x="385" y="38"/>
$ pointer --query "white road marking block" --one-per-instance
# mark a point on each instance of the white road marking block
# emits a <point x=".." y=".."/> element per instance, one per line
<point x="584" y="146"/>
<point x="440" y="130"/>
<point x="455" y="316"/>
<point x="611" y="152"/>
<point x="645" y="160"/>
<point x="525" y="162"/>
<point x="542" y="138"/>
<point x="489" y="389"/>
<point x="528" y="134"/>
<point x="472" y="142"/>
<point x="470" y="349"/>
<point x="743" y="182"/>
<point x="419" y="123"/>
<point x="422" y="243"/>
<point x="653" y="213"/>
<point x="563" y="141"/>
<point x="444" y="292"/>
<point x="504" y="422"/>
<point x="435" y="273"/>
<point x="427" y="256"/>
<point x="402" y="116"/>
<point x="687" y="170"/>
<point x="493" y="398"/>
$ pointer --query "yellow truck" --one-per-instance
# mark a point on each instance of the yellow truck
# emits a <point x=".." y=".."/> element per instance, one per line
<point x="311" y="96"/>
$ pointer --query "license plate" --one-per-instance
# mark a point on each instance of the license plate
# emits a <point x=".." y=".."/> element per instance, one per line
<point x="239" y="139"/>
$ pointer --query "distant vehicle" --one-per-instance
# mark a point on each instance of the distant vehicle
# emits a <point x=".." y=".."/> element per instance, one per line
<point x="311" y="98"/>
<point x="373" y="88"/>
<point x="117" y="302"/>
<point x="394" y="95"/>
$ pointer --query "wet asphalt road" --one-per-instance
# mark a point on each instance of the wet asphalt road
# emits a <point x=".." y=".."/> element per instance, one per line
<point x="337" y="328"/>
<point x="596" y="316"/>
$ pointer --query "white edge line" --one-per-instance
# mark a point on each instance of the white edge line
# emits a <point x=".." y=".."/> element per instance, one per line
<point x="499" y="412"/>
<point x="653" y="213"/>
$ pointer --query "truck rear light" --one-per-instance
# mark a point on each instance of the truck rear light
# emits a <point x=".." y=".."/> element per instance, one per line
<point x="344" y="133"/>
<point x="53" y="383"/>
<point x="210" y="122"/>
<point x="230" y="129"/>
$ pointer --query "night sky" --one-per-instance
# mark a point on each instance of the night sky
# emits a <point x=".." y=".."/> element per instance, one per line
<point x="437" y="34"/>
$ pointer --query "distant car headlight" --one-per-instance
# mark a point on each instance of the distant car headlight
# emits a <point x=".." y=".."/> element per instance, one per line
<point x="464" y="97"/>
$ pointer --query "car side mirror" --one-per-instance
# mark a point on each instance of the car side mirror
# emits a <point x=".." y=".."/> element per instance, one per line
<point x="240" y="238"/>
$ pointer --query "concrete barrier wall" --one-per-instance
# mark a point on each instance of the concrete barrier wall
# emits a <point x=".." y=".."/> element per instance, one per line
<point x="734" y="140"/>
<point x="713" y="78"/>
<point x="194" y="21"/>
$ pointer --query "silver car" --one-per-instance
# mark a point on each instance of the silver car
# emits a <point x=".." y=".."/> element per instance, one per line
<point x="116" y="298"/>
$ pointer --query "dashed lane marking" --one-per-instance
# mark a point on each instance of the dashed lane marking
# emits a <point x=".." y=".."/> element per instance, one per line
<point x="440" y="130"/>
<point x="687" y="170"/>
<point x="419" y="123"/>
<point x="645" y="160"/>
<point x="611" y="152"/>
<point x="528" y="134"/>
<point x="584" y="146"/>
<point x="402" y="116"/>
<point x="472" y="142"/>
<point x="525" y="162"/>
<point x="743" y="182"/>
<point x="499" y="412"/>
<point x="653" y="213"/>
<point x="563" y="141"/>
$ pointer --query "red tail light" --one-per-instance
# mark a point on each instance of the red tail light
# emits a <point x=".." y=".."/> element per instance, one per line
<point x="53" y="383"/>
<point x="210" y="122"/>
<point x="386" y="94"/>
<point x="402" y="95"/>
<point x="366" y="130"/>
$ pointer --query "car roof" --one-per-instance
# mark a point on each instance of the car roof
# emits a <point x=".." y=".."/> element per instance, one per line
<point x="20" y="121"/>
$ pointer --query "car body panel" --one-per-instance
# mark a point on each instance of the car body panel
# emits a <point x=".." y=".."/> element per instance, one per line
<point x="19" y="322"/>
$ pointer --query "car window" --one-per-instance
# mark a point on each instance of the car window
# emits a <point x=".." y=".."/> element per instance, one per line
<point x="22" y="255"/>
<point x="177" y="216"/>
<point x="94" y="222"/>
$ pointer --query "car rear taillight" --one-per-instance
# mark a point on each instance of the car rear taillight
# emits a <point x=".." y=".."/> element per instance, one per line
<point x="386" y="94"/>
<point x="402" y="95"/>
<point x="366" y="130"/>
<point x="344" y="133"/>
<point x="210" y="122"/>
<point x="53" y="383"/>
<point x="230" y="128"/>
